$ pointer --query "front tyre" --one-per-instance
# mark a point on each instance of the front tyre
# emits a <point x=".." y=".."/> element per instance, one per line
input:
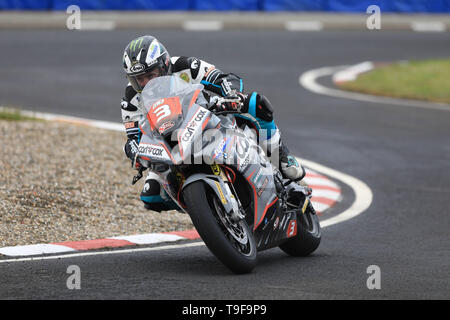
<point x="231" y="242"/>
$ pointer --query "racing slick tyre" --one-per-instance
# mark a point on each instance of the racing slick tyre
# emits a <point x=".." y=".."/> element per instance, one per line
<point x="231" y="242"/>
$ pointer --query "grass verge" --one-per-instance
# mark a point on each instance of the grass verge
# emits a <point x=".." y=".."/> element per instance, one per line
<point x="427" y="80"/>
<point x="10" y="114"/>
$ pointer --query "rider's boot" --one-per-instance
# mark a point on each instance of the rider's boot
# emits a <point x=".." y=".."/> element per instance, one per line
<point x="290" y="168"/>
<point x="154" y="196"/>
<point x="281" y="157"/>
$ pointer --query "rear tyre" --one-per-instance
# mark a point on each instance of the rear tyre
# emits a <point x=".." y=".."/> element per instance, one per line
<point x="308" y="236"/>
<point x="231" y="242"/>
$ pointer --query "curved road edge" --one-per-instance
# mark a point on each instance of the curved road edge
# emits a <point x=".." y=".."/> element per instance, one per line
<point x="309" y="80"/>
<point x="363" y="194"/>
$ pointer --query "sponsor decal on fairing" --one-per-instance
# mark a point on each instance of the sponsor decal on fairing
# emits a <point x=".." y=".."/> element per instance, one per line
<point x="153" y="151"/>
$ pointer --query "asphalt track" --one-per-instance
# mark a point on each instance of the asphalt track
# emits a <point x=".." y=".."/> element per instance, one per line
<point x="402" y="153"/>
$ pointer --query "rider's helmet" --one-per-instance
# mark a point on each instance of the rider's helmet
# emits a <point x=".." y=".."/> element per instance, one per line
<point x="145" y="58"/>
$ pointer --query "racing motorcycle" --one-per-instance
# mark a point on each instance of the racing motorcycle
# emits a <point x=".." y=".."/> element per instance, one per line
<point x="214" y="169"/>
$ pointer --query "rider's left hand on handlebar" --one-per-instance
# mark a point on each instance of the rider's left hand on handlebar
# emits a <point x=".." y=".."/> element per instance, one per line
<point x="236" y="105"/>
<point x="232" y="102"/>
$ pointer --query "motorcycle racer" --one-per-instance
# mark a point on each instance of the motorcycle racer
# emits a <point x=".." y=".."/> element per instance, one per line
<point x="146" y="58"/>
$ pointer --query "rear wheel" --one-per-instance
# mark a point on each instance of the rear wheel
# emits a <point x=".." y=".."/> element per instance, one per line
<point x="308" y="236"/>
<point x="231" y="242"/>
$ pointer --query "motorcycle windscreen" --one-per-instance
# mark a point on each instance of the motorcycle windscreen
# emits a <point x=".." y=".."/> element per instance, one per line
<point x="165" y="100"/>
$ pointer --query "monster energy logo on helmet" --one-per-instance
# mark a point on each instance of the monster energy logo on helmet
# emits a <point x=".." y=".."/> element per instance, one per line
<point x="143" y="55"/>
<point x="135" y="42"/>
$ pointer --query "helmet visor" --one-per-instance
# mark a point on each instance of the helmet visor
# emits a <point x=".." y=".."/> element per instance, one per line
<point x="138" y="81"/>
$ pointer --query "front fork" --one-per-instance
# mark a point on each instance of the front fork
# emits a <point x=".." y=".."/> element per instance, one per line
<point x="229" y="193"/>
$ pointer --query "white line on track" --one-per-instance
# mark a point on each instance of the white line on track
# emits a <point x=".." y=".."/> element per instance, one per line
<point x="303" y="25"/>
<point x="333" y="195"/>
<point x="99" y="253"/>
<point x="309" y="81"/>
<point x="350" y="74"/>
<point x="88" y="25"/>
<point x="198" y="25"/>
<point x="76" y="120"/>
<point x="428" y="26"/>
<point x="321" y="181"/>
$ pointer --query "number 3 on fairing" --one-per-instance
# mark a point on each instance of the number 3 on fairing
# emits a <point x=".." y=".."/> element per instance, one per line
<point x="162" y="112"/>
<point x="164" y="108"/>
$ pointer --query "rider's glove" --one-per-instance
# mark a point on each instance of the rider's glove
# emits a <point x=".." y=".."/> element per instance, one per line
<point x="236" y="105"/>
<point x="131" y="150"/>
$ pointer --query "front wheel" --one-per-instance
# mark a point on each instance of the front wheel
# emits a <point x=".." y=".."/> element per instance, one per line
<point x="231" y="242"/>
<point x="308" y="235"/>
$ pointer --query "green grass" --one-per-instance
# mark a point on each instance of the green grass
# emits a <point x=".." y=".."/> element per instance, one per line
<point x="422" y="80"/>
<point x="10" y="114"/>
